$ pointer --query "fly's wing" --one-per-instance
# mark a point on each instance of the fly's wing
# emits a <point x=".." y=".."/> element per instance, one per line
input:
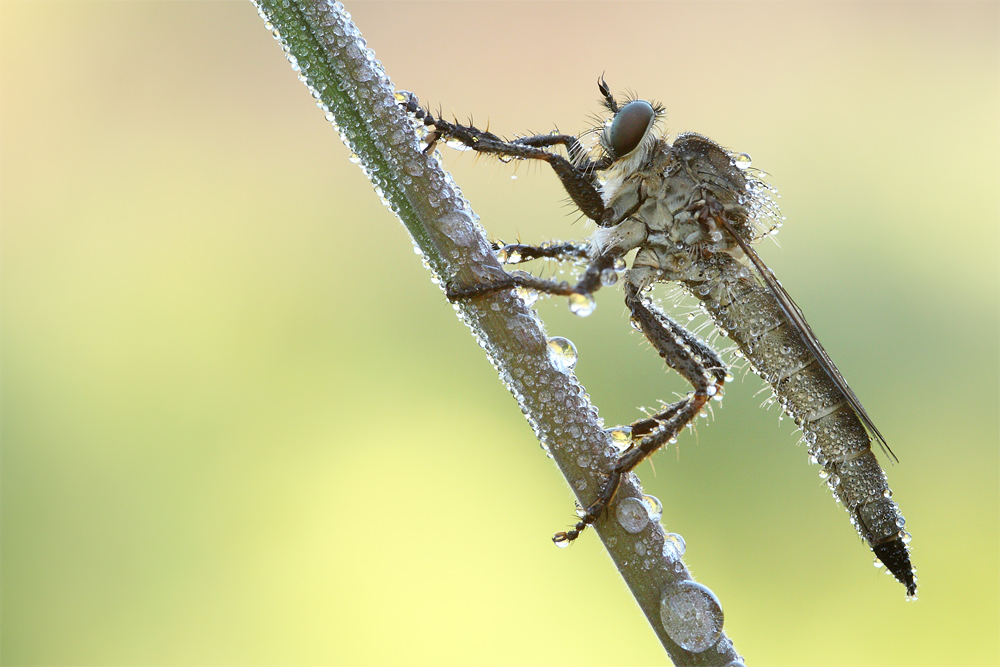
<point x="798" y="322"/>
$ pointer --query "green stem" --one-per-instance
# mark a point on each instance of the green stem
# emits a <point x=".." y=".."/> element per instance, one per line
<point x="322" y="43"/>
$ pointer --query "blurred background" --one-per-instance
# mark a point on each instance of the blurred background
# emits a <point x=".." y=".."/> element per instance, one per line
<point x="241" y="426"/>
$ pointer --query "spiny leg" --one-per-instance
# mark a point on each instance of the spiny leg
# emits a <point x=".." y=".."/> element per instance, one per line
<point x="595" y="275"/>
<point x="686" y="354"/>
<point x="580" y="295"/>
<point x="577" y="179"/>
<point x="562" y="251"/>
<point x="644" y="427"/>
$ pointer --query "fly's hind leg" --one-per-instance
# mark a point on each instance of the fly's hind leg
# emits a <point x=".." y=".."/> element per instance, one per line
<point x="686" y="354"/>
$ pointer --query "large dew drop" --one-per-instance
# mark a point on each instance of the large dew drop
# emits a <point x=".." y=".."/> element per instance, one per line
<point x="742" y="161"/>
<point x="621" y="437"/>
<point x="673" y="546"/>
<point x="581" y="304"/>
<point x="632" y="514"/>
<point x="692" y="616"/>
<point x="509" y="255"/>
<point x="562" y="352"/>
<point x="654" y="506"/>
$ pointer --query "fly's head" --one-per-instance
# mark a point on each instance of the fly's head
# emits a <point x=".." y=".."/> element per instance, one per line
<point x="679" y="189"/>
<point x="627" y="139"/>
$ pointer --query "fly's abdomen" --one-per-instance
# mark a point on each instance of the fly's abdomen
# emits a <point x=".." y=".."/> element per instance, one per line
<point x="749" y="314"/>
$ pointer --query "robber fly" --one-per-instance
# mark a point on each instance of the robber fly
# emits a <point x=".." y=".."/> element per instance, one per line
<point x="692" y="211"/>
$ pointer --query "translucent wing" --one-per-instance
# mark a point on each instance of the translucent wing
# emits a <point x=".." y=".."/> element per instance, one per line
<point x="798" y="321"/>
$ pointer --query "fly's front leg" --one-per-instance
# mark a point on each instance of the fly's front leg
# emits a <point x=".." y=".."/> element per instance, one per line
<point x="686" y="354"/>
<point x="577" y="179"/>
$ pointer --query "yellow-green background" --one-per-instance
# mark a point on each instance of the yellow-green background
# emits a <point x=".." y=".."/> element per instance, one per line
<point x="241" y="426"/>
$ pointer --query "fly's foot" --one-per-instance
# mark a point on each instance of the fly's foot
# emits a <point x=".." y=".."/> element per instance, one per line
<point x="561" y="539"/>
<point x="594" y="511"/>
<point x="589" y="516"/>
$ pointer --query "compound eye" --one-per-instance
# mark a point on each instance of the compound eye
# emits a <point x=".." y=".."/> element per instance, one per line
<point x="629" y="127"/>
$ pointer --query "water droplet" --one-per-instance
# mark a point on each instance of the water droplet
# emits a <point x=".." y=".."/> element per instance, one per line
<point x="676" y="543"/>
<point x="529" y="296"/>
<point x="457" y="145"/>
<point x="692" y="616"/>
<point x="878" y="564"/>
<point x="562" y="544"/>
<point x="509" y="255"/>
<point x="354" y="157"/>
<point x="621" y="437"/>
<point x="581" y="304"/>
<point x="609" y="277"/>
<point x="458" y="227"/>
<point x="741" y="160"/>
<point x="632" y="514"/>
<point x="654" y="506"/>
<point x="562" y="352"/>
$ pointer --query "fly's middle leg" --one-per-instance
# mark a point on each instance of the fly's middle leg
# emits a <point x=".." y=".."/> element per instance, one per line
<point x="686" y="354"/>
<point x="580" y="294"/>
<point x="563" y="251"/>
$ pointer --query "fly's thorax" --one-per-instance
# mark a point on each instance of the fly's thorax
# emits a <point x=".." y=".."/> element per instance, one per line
<point x="679" y="190"/>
